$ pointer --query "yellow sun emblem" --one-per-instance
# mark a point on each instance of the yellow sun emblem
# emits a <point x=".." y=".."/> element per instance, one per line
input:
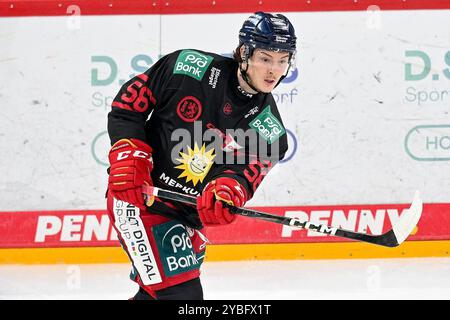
<point x="196" y="163"/>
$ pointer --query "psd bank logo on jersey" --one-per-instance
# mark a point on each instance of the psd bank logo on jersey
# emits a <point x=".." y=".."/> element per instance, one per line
<point x="192" y="63"/>
<point x="175" y="248"/>
<point x="196" y="163"/>
<point x="268" y="126"/>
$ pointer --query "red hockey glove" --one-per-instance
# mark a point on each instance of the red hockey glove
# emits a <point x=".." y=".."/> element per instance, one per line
<point x="211" y="211"/>
<point x="131" y="164"/>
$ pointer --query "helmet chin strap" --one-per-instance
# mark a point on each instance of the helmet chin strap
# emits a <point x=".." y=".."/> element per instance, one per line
<point x="247" y="78"/>
<point x="283" y="76"/>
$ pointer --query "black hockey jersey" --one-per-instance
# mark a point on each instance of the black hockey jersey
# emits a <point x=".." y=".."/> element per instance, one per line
<point x="199" y="122"/>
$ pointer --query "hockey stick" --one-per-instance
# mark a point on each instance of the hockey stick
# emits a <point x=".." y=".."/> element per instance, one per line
<point x="393" y="238"/>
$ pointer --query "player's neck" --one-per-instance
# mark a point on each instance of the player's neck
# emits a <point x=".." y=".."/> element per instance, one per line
<point x="244" y="85"/>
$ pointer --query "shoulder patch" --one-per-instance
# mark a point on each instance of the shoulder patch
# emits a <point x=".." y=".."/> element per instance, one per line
<point x="268" y="126"/>
<point x="192" y="63"/>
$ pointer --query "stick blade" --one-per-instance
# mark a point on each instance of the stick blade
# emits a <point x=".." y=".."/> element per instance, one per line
<point x="409" y="219"/>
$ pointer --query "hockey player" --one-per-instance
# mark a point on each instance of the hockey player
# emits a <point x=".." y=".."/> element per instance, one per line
<point x="199" y="123"/>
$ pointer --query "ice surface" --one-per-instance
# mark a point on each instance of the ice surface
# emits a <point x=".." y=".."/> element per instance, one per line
<point x="421" y="278"/>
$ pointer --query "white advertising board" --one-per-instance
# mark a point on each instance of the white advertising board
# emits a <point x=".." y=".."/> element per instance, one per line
<point x="366" y="109"/>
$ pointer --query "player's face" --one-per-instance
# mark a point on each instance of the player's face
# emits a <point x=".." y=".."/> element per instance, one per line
<point x="265" y="68"/>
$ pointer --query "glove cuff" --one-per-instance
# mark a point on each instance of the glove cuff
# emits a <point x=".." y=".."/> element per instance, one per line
<point x="130" y="149"/>
<point x="133" y="143"/>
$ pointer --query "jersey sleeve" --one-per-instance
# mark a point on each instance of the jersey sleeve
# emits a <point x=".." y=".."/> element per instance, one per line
<point x="135" y="101"/>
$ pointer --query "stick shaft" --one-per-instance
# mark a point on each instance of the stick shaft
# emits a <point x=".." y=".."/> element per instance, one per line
<point x="387" y="239"/>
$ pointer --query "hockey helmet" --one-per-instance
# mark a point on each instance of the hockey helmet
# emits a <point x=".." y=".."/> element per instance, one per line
<point x="272" y="32"/>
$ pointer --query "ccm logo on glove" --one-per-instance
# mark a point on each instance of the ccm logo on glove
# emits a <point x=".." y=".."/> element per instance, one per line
<point x="137" y="154"/>
<point x="125" y="154"/>
<point x="131" y="164"/>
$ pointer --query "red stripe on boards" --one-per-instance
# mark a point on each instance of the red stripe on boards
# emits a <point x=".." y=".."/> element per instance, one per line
<point x="17" y="8"/>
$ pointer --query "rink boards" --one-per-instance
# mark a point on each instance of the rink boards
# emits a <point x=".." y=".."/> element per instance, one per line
<point x="87" y="236"/>
<point x="366" y="111"/>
